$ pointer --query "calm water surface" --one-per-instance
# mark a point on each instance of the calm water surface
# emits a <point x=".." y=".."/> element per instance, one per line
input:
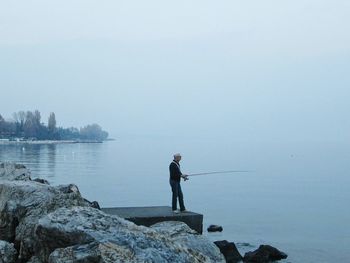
<point x="296" y="197"/>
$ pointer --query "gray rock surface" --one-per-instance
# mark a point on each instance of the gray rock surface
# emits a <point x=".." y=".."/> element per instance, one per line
<point x="56" y="224"/>
<point x="8" y="253"/>
<point x="90" y="233"/>
<point x="22" y="204"/>
<point x="181" y="233"/>
<point x="13" y="171"/>
<point x="34" y="259"/>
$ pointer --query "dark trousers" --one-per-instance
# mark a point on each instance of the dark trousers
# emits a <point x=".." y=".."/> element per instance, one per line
<point x="177" y="193"/>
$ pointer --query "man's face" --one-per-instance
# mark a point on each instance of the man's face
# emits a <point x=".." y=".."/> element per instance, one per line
<point x="178" y="158"/>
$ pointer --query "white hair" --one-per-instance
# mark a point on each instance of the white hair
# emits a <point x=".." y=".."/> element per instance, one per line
<point x="177" y="155"/>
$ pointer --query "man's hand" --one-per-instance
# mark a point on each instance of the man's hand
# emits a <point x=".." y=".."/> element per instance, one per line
<point x="185" y="177"/>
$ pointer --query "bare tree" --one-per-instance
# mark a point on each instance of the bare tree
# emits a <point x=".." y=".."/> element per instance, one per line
<point x="29" y="125"/>
<point x="22" y="117"/>
<point x="37" y="117"/>
<point x="21" y="120"/>
<point x="52" y="123"/>
<point x="15" y="117"/>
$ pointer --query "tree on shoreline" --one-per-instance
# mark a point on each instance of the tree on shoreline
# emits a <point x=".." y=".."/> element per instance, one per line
<point x="51" y="125"/>
<point x="28" y="125"/>
<point x="6" y="128"/>
<point x="93" y="132"/>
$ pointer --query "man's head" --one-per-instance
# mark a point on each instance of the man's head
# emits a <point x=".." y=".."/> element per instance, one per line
<point x="177" y="157"/>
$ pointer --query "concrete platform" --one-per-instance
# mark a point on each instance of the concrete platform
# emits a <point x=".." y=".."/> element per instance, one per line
<point x="148" y="216"/>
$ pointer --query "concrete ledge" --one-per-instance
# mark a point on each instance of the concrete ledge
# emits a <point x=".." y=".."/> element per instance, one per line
<point x="148" y="216"/>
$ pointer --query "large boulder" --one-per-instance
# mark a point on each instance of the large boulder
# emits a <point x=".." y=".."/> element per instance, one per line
<point x="8" y="253"/>
<point x="22" y="204"/>
<point x="264" y="254"/>
<point x="84" y="234"/>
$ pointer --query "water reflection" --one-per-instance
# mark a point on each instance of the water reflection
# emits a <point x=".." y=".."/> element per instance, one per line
<point x="55" y="162"/>
<point x="51" y="155"/>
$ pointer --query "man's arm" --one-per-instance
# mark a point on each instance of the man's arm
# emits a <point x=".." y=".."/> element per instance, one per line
<point x="174" y="169"/>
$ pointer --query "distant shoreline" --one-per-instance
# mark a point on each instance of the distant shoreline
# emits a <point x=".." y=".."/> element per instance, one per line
<point x="6" y="141"/>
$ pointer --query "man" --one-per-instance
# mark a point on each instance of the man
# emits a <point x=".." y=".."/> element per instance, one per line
<point x="175" y="178"/>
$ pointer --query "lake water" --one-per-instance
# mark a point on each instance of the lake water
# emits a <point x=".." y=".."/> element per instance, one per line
<point x="296" y="196"/>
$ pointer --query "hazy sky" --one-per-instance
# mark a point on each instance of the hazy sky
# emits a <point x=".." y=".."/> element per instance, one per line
<point x="265" y="70"/>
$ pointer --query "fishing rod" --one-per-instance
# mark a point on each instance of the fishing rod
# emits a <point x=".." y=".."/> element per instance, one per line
<point x="220" y="172"/>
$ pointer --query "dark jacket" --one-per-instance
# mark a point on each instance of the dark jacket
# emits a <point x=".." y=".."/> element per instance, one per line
<point x="175" y="172"/>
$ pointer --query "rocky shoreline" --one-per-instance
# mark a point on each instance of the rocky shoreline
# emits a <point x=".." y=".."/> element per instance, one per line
<point x="40" y="223"/>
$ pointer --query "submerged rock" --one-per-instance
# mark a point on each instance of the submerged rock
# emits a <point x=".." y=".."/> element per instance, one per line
<point x="215" y="228"/>
<point x="264" y="254"/>
<point x="230" y="251"/>
<point x="8" y="253"/>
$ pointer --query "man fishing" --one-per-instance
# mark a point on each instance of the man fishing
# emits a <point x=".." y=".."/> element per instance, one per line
<point x="175" y="178"/>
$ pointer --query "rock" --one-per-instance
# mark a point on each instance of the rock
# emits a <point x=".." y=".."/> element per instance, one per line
<point x="49" y="224"/>
<point x="79" y="233"/>
<point x="215" y="228"/>
<point x="183" y="234"/>
<point x="93" y="252"/>
<point x="22" y="204"/>
<point x="8" y="253"/>
<point x="67" y="189"/>
<point x="13" y="171"/>
<point x="94" y="204"/>
<point x="229" y="250"/>
<point x="173" y="228"/>
<point x="34" y="260"/>
<point x="42" y="181"/>
<point x="264" y="254"/>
